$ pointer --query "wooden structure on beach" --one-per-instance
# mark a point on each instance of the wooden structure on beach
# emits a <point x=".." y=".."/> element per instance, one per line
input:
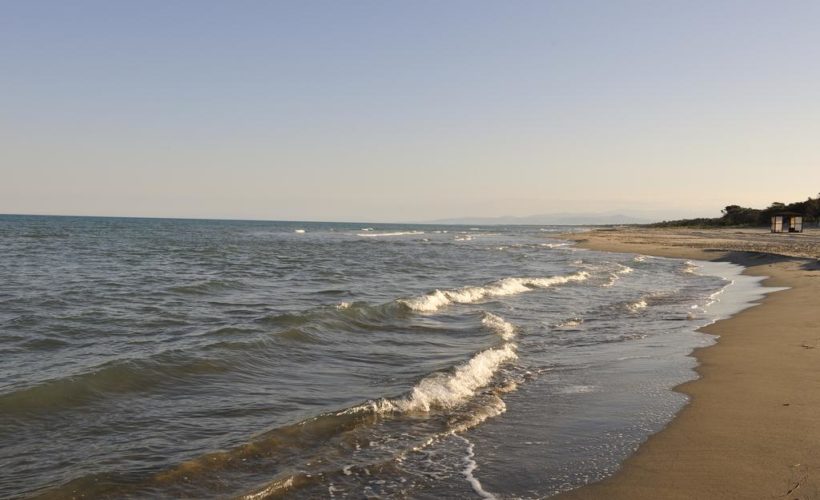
<point x="787" y="222"/>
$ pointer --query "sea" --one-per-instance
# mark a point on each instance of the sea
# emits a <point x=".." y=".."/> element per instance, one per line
<point x="157" y="358"/>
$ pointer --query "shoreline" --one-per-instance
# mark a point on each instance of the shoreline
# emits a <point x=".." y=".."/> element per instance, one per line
<point x="749" y="429"/>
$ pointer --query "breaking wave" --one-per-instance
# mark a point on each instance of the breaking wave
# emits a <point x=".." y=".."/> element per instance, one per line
<point x="499" y="325"/>
<point x="470" y="294"/>
<point x="460" y="398"/>
<point x="447" y="390"/>
<point x="637" y="306"/>
<point x="444" y="390"/>
<point x="624" y="269"/>
<point x="616" y="275"/>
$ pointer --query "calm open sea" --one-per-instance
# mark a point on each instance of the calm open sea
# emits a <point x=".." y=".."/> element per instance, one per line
<point x="187" y="358"/>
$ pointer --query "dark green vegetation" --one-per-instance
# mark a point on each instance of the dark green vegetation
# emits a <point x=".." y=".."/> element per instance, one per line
<point x="737" y="216"/>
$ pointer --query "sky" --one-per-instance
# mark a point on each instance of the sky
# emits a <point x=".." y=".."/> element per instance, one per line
<point x="406" y="111"/>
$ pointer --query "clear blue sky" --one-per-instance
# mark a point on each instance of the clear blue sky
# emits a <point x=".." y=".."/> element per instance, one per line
<point x="381" y="110"/>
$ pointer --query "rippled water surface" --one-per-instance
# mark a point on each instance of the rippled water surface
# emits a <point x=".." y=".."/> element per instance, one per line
<point x="156" y="358"/>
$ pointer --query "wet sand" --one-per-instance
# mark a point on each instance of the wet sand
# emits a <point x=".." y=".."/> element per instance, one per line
<point x="752" y="427"/>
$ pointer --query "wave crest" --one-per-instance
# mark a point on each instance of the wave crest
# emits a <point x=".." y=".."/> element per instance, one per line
<point x="499" y="325"/>
<point x="637" y="306"/>
<point x="437" y="299"/>
<point x="446" y="390"/>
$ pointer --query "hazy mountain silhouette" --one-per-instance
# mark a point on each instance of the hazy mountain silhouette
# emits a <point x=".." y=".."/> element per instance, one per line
<point x="569" y="219"/>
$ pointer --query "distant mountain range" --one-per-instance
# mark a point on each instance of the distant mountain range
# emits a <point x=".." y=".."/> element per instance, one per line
<point x="561" y="219"/>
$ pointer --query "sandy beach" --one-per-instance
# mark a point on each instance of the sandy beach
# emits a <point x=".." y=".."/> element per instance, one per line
<point x="750" y="429"/>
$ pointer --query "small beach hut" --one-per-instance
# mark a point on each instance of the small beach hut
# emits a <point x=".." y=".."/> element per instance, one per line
<point x="787" y="222"/>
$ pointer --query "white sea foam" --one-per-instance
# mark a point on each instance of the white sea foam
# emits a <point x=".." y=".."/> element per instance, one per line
<point x="300" y="231"/>
<point x="397" y="233"/>
<point x="499" y="325"/>
<point x="714" y="298"/>
<point x="467" y="295"/>
<point x="446" y="390"/>
<point x="554" y="245"/>
<point x="470" y="466"/>
<point x="616" y="275"/>
<point x="343" y="305"/>
<point x="624" y="269"/>
<point x="637" y="306"/>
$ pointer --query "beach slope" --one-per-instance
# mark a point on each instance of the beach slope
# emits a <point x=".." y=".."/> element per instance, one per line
<point x="751" y="428"/>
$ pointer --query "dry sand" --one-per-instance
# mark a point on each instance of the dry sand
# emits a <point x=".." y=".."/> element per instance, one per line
<point x="752" y="428"/>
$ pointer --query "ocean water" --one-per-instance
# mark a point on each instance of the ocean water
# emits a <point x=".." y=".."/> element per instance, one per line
<point x="179" y="358"/>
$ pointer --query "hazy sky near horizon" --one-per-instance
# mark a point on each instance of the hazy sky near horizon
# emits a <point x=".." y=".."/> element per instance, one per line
<point x="415" y="110"/>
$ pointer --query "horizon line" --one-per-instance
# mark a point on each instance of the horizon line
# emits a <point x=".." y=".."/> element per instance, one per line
<point x="230" y="219"/>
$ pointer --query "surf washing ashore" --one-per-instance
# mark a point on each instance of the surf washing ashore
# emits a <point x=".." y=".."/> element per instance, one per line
<point x="750" y="430"/>
<point x="155" y="358"/>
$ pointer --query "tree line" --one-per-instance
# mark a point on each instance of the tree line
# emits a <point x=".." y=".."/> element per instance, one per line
<point x="737" y="216"/>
